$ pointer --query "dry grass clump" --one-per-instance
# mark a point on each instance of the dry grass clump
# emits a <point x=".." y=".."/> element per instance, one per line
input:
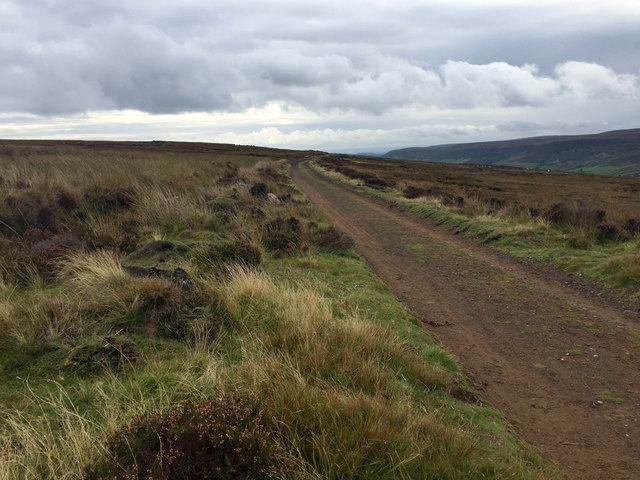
<point x="57" y="442"/>
<point x="39" y="316"/>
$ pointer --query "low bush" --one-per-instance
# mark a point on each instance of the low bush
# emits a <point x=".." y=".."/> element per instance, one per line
<point x="608" y="231"/>
<point x="376" y="182"/>
<point x="29" y="209"/>
<point x="221" y="438"/>
<point x="333" y="240"/>
<point x="237" y="252"/>
<point x="66" y="200"/>
<point x="111" y="354"/>
<point x="412" y="192"/>
<point x="283" y="235"/>
<point x="110" y="199"/>
<point x="633" y="225"/>
<point x="40" y="251"/>
<point x="574" y="214"/>
<point x="259" y="190"/>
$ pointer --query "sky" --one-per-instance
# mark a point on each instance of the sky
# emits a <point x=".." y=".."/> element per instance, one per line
<point x="347" y="75"/>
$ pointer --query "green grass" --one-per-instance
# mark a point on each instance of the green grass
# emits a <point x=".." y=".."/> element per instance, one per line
<point x="608" y="396"/>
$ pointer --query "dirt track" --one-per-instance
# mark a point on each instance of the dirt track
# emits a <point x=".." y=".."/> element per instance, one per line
<point x="542" y="352"/>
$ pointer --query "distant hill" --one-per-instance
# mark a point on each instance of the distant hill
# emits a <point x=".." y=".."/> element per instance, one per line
<point x="609" y="153"/>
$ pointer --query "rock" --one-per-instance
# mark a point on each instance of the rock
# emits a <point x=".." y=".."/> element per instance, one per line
<point x="273" y="199"/>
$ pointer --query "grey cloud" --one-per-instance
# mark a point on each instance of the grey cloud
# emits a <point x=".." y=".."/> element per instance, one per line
<point x="167" y="57"/>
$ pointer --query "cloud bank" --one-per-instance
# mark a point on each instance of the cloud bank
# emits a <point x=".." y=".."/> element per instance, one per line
<point x="368" y="61"/>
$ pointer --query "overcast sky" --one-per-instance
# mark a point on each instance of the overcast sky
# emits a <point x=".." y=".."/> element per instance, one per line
<point x="343" y="75"/>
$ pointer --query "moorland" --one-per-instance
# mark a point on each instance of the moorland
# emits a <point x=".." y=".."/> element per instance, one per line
<point x="178" y="310"/>
<point x="588" y="224"/>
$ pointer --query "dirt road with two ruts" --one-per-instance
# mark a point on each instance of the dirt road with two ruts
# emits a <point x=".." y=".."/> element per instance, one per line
<point x="560" y="361"/>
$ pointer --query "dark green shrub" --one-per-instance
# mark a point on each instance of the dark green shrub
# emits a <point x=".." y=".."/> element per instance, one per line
<point x="221" y="438"/>
<point x="112" y="354"/>
<point x="30" y="209"/>
<point x="283" y="235"/>
<point x="104" y="200"/>
<point x="40" y="250"/>
<point x="609" y="232"/>
<point x="412" y="192"/>
<point x="258" y="190"/>
<point x="66" y="200"/>
<point x="633" y="225"/>
<point x="377" y="182"/>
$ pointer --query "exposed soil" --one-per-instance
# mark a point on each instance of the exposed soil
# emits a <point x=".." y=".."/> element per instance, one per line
<point x="559" y="360"/>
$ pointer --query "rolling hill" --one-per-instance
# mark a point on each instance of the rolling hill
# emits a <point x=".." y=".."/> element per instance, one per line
<point x="610" y="153"/>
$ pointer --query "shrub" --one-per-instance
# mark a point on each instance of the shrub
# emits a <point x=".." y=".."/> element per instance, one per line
<point x="412" y="192"/>
<point x="609" y="231"/>
<point x="333" y="240"/>
<point x="221" y="438"/>
<point x="633" y="225"/>
<point x="258" y="190"/>
<point x="233" y="252"/>
<point x="104" y="200"/>
<point x="574" y="214"/>
<point x="40" y="250"/>
<point x="496" y="204"/>
<point x="30" y="209"/>
<point x="119" y="198"/>
<point x="376" y="182"/>
<point x="66" y="200"/>
<point x="111" y="354"/>
<point x="283" y="235"/>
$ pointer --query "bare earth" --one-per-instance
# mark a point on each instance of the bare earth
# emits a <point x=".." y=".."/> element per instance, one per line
<point x="560" y="361"/>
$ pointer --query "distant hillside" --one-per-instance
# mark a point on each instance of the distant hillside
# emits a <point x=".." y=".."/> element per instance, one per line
<point x="609" y="153"/>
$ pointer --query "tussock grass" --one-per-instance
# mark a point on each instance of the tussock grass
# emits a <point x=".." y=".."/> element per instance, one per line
<point x="161" y="206"/>
<point x="87" y="271"/>
<point x="59" y="443"/>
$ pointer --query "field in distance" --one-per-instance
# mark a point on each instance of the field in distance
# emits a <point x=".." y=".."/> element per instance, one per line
<point x="609" y="153"/>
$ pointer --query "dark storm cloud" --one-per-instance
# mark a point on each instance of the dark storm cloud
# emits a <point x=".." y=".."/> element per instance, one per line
<point x="61" y="57"/>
